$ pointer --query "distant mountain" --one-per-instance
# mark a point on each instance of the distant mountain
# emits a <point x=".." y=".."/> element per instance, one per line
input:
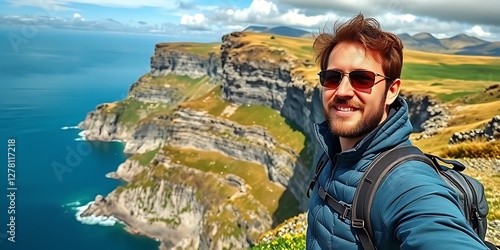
<point x="259" y="29"/>
<point x="280" y="30"/>
<point x="461" y="44"/>
<point x="461" y="41"/>
<point x="427" y="42"/>
<point x="485" y="49"/>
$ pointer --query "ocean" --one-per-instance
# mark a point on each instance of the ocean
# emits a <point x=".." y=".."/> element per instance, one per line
<point x="50" y="80"/>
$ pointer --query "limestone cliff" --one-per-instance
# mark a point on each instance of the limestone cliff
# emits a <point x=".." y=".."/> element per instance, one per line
<point x="186" y="208"/>
<point x="198" y="130"/>
<point x="171" y="59"/>
<point x="103" y="126"/>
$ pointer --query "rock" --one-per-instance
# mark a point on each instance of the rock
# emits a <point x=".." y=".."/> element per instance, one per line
<point x="100" y="125"/>
<point x="428" y="116"/>
<point x="491" y="132"/>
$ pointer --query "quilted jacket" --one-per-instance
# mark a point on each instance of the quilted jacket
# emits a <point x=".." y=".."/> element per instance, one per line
<point x="412" y="209"/>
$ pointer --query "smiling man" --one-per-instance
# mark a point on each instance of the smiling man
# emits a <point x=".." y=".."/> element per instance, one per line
<point x="413" y="207"/>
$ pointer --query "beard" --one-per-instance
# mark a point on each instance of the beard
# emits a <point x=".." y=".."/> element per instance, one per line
<point x="369" y="120"/>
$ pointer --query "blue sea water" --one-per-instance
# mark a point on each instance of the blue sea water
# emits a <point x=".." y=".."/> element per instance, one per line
<point x="49" y="82"/>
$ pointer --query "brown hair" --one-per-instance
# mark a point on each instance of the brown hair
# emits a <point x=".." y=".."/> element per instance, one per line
<point x="386" y="48"/>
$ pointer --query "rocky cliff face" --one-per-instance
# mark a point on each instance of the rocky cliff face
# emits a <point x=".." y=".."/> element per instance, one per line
<point x="196" y="129"/>
<point x="186" y="208"/>
<point x="143" y="91"/>
<point x="167" y="61"/>
<point x="254" y="74"/>
<point x="144" y="203"/>
<point x="426" y="115"/>
<point x="103" y="126"/>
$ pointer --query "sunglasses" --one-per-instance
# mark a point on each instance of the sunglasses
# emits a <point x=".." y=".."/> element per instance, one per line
<point x="359" y="79"/>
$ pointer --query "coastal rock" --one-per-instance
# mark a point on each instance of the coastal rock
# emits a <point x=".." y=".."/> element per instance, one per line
<point x="168" y="60"/>
<point x="127" y="170"/>
<point x="168" y="205"/>
<point x="100" y="125"/>
<point x="427" y="115"/>
<point x="491" y="132"/>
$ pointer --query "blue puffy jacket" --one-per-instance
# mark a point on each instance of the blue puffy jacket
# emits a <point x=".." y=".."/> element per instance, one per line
<point x="412" y="209"/>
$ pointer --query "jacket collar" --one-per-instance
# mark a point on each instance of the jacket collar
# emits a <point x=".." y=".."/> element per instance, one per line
<point x="395" y="130"/>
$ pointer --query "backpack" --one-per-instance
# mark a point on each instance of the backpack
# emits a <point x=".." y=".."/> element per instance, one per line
<point x="470" y="191"/>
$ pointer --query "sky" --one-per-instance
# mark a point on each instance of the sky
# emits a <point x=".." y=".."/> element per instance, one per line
<point x="209" y="20"/>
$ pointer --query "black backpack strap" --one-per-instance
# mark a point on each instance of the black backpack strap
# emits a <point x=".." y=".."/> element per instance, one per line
<point x="323" y="160"/>
<point x="373" y="176"/>
<point x="457" y="166"/>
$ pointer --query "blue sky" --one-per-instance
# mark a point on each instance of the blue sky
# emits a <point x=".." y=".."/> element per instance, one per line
<point x="191" y="20"/>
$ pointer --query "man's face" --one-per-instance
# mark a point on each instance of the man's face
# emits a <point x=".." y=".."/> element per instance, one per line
<point x="353" y="113"/>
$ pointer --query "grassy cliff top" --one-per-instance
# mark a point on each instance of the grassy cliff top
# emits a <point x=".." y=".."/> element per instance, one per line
<point x="201" y="49"/>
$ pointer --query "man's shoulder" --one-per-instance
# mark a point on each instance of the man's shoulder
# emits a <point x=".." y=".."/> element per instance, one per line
<point x="412" y="173"/>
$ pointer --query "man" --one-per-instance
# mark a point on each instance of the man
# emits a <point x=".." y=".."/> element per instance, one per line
<point x="413" y="208"/>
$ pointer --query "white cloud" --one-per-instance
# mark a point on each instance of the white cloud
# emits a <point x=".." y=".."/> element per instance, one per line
<point x="78" y="17"/>
<point x="235" y="27"/>
<point x="407" y="18"/>
<point x="264" y="12"/>
<point x="294" y="18"/>
<point x="258" y="10"/>
<point x="195" y="22"/>
<point x="478" y="31"/>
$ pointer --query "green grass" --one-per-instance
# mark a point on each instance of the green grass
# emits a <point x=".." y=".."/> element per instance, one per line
<point x="469" y="72"/>
<point x="274" y="123"/>
<point x="453" y="96"/>
<point x="201" y="49"/>
<point x="145" y="158"/>
<point x="181" y="87"/>
<point x="264" y="190"/>
<point x="285" y="242"/>
<point x="307" y="49"/>
<point x="282" y="130"/>
<point x="210" y="102"/>
<point x="129" y="110"/>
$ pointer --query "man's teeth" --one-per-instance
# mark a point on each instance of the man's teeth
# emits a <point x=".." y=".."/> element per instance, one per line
<point x="345" y="109"/>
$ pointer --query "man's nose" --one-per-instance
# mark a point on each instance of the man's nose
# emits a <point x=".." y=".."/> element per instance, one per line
<point x="345" y="87"/>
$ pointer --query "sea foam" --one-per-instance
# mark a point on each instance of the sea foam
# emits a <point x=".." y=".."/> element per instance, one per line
<point x="81" y="136"/>
<point x="94" y="220"/>
<point x="69" y="127"/>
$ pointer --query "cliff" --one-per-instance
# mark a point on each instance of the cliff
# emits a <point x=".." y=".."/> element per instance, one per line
<point x="177" y="114"/>
<point x="186" y="208"/>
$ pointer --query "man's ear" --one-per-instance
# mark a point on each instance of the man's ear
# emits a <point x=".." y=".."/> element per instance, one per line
<point x="392" y="91"/>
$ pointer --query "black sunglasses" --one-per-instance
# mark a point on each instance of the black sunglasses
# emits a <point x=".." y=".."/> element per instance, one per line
<point x="359" y="79"/>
